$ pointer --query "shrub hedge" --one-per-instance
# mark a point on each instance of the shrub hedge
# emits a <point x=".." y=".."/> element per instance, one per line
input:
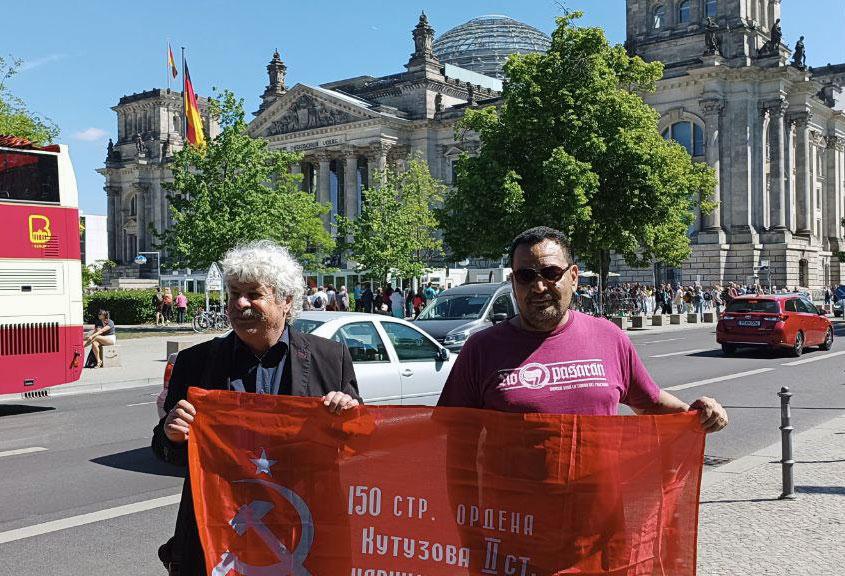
<point x="135" y="306"/>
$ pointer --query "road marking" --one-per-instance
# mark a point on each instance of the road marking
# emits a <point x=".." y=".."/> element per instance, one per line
<point x="666" y="340"/>
<point x="22" y="451"/>
<point x="719" y="379"/>
<point x="681" y="353"/>
<point x="814" y="359"/>
<point x="141" y="404"/>
<point x="83" y="519"/>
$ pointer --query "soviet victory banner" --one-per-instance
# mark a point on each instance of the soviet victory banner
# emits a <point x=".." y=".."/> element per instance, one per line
<point x="283" y="487"/>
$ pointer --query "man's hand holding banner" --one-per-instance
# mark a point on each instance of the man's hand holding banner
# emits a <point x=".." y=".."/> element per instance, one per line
<point x="281" y="486"/>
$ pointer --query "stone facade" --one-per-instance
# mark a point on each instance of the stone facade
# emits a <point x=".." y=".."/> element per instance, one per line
<point x="149" y="131"/>
<point x="773" y="130"/>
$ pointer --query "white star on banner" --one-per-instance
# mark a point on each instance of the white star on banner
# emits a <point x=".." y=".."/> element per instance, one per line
<point x="262" y="464"/>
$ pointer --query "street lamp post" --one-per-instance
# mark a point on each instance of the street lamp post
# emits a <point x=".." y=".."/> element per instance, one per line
<point x="140" y="259"/>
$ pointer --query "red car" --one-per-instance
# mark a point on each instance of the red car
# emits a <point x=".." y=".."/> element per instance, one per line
<point x="776" y="321"/>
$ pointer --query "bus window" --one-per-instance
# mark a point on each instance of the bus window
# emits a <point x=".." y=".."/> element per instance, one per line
<point x="28" y="177"/>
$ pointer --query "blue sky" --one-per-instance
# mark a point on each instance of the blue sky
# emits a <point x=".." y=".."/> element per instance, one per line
<point x="81" y="57"/>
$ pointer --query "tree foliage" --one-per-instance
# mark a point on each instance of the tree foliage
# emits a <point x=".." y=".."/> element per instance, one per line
<point x="92" y="274"/>
<point x="574" y="146"/>
<point x="234" y="190"/>
<point x="395" y="232"/>
<point x="15" y="118"/>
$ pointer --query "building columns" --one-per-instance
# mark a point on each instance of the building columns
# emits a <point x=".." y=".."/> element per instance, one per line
<point x="111" y="223"/>
<point x="324" y="185"/>
<point x="378" y="157"/>
<point x="712" y="117"/>
<point x="350" y="185"/>
<point x="777" y="189"/>
<point x="803" y="185"/>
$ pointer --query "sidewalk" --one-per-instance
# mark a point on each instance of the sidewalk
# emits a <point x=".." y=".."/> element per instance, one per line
<point x="745" y="529"/>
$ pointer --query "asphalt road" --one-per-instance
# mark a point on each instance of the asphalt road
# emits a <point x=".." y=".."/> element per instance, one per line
<point x="81" y="493"/>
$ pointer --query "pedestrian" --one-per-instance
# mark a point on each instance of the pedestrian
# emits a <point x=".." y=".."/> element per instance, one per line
<point x="367" y="298"/>
<point x="264" y="354"/>
<point x="397" y="303"/>
<point x="430" y="293"/>
<point x="409" y="302"/>
<point x="167" y="305"/>
<point x="679" y="300"/>
<point x="342" y="299"/>
<point x="319" y="299"/>
<point x="697" y="300"/>
<point x="331" y="294"/>
<point x="103" y="334"/>
<point x="419" y="303"/>
<point x="546" y="334"/>
<point x="357" y="291"/>
<point x="381" y="304"/>
<point x="158" y="302"/>
<point x="181" y="307"/>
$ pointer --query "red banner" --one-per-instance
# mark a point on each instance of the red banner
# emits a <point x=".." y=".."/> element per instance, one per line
<point x="283" y="487"/>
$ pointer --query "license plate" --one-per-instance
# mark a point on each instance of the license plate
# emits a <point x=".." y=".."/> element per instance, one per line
<point x="748" y="323"/>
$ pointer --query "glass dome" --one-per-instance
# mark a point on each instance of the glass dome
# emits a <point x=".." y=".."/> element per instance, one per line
<point x="484" y="43"/>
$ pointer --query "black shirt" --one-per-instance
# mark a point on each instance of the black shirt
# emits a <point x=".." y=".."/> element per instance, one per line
<point x="261" y="375"/>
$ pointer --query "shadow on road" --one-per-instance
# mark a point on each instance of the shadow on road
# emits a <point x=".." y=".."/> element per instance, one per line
<point x="140" y="460"/>
<point x="835" y="490"/>
<point x="15" y="409"/>
<point x="738" y="501"/>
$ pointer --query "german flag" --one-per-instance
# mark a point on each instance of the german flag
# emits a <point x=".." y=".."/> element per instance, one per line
<point x="171" y="62"/>
<point x="193" y="121"/>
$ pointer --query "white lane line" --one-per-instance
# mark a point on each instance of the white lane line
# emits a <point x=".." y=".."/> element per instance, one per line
<point x="140" y="404"/>
<point x="22" y="451"/>
<point x="681" y="353"/>
<point x="719" y="379"/>
<point x="814" y="358"/>
<point x="666" y="340"/>
<point x="83" y="519"/>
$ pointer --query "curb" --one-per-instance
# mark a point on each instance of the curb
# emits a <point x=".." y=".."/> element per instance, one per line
<point x="74" y="390"/>
<point x="731" y="470"/>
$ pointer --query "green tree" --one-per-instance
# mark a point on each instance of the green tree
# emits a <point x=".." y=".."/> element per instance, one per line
<point x="92" y="274"/>
<point x="395" y="232"/>
<point x="574" y="146"/>
<point x="234" y="190"/>
<point x="15" y="118"/>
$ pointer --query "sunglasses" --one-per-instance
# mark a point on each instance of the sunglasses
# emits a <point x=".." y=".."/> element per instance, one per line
<point x="549" y="274"/>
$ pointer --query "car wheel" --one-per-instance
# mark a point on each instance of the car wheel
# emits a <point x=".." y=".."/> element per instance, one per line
<point x="728" y="349"/>
<point x="798" y="347"/>
<point x="828" y="340"/>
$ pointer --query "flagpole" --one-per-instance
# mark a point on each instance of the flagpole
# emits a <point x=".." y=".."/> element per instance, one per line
<point x="184" y="108"/>
<point x="167" y="66"/>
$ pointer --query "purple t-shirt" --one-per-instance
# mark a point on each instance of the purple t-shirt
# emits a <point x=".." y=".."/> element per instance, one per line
<point x="587" y="366"/>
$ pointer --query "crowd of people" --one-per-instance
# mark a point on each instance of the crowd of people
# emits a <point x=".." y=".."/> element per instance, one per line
<point x="386" y="300"/>
<point x="669" y="298"/>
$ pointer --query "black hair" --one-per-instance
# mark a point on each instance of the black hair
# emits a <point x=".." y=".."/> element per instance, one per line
<point x="538" y="234"/>
<point x="104" y="313"/>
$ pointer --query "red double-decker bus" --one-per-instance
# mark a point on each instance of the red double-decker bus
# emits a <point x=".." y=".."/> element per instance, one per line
<point x="40" y="269"/>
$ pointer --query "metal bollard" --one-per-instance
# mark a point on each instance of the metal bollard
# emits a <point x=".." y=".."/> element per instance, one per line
<point x="786" y="444"/>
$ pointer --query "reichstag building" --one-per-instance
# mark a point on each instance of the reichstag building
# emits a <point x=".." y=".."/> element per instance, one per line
<point x="733" y="94"/>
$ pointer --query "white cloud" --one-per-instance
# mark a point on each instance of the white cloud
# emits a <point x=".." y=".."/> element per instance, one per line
<point x="38" y="62"/>
<point x="91" y="134"/>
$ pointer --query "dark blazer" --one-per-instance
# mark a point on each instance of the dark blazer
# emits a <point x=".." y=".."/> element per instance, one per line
<point x="317" y="366"/>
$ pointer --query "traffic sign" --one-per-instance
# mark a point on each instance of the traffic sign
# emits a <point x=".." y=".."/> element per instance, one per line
<point x="140" y="259"/>
<point x="213" y="279"/>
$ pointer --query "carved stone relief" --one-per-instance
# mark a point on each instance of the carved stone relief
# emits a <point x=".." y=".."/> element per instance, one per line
<point x="307" y="113"/>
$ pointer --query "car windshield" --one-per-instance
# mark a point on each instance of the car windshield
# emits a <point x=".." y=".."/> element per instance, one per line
<point x="305" y="325"/>
<point x="455" y="307"/>
<point x="746" y="306"/>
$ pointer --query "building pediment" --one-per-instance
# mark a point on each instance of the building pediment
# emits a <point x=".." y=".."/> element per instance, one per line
<point x="305" y="108"/>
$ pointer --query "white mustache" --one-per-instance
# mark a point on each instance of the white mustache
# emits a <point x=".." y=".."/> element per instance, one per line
<point x="249" y="314"/>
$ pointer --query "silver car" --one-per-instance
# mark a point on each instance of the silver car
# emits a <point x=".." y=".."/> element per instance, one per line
<point x="395" y="362"/>
<point x="457" y="313"/>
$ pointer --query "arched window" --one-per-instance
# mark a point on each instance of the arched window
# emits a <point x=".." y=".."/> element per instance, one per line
<point x="684" y="12"/>
<point x="659" y="17"/>
<point x="133" y="206"/>
<point x="687" y="134"/>
<point x="710" y="8"/>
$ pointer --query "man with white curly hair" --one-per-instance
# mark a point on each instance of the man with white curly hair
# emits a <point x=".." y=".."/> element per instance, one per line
<point x="263" y="354"/>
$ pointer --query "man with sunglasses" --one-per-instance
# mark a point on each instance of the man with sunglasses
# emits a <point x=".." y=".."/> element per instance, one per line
<point x="554" y="360"/>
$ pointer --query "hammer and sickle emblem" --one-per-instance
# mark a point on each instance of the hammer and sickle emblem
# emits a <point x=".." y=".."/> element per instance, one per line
<point x="249" y="517"/>
<point x="39" y="229"/>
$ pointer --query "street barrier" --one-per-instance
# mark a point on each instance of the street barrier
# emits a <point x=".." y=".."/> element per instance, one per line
<point x="638" y="322"/>
<point x="786" y="444"/>
<point x="659" y="320"/>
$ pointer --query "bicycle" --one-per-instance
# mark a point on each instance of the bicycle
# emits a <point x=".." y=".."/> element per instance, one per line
<point x="215" y="319"/>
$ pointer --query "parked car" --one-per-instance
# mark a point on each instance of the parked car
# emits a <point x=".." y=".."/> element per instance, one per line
<point x="459" y="312"/>
<point x="779" y="321"/>
<point x="395" y="362"/>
